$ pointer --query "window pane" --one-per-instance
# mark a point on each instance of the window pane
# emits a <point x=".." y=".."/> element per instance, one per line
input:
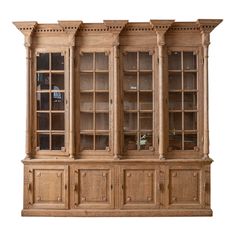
<point x="42" y="101"/>
<point x="175" y="141"/>
<point x="101" y="142"/>
<point x="130" y="81"/>
<point x="57" y="61"/>
<point x="175" y="81"/>
<point x="101" y="61"/>
<point x="190" y="120"/>
<point x="175" y="101"/>
<point x="174" y="61"/>
<point x="145" y="81"/>
<point x="86" y="142"/>
<point x="57" y="82"/>
<point x="86" y="81"/>
<point x="58" y="122"/>
<point x="57" y="100"/>
<point x="86" y="101"/>
<point x="42" y="81"/>
<point x="43" y="61"/>
<point x="130" y="101"/>
<point x="145" y="101"/>
<point x="190" y="141"/>
<point x="145" y="141"/>
<point x="43" y="141"/>
<point x="57" y="141"/>
<point x="130" y="61"/>
<point x="145" y="61"/>
<point x="102" y="101"/>
<point x="190" y="101"/>
<point x="175" y="121"/>
<point x="102" y="81"/>
<point x="145" y="120"/>
<point x="86" y="121"/>
<point x="130" y="121"/>
<point x="190" y="61"/>
<point x="130" y="142"/>
<point x="86" y="61"/>
<point x="102" y="121"/>
<point x="42" y="121"/>
<point x="190" y="80"/>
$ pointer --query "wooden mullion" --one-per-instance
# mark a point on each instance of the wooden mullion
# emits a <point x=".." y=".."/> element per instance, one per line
<point x="94" y="101"/>
<point x="182" y="94"/>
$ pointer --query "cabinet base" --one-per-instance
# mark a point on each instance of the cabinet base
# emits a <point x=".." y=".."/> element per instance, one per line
<point x="118" y="213"/>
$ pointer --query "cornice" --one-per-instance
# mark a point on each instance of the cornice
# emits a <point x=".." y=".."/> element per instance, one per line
<point x="161" y="25"/>
<point x="115" y="26"/>
<point x="70" y="26"/>
<point x="206" y="25"/>
<point x="26" y="27"/>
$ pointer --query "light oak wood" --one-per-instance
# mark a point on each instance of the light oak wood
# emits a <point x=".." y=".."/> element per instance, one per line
<point x="117" y="118"/>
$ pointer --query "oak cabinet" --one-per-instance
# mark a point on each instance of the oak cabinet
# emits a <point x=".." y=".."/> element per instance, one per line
<point x="117" y="118"/>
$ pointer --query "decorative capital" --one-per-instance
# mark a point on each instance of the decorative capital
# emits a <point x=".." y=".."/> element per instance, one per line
<point x="161" y="26"/>
<point x="27" y="28"/>
<point x="115" y="27"/>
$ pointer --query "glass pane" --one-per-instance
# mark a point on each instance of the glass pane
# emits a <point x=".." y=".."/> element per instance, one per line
<point x="102" y="101"/>
<point x="145" y="120"/>
<point x="42" y="81"/>
<point x="175" y="101"/>
<point x="86" y="101"/>
<point x="101" y="61"/>
<point x="130" y="81"/>
<point x="42" y="121"/>
<point x="145" y="101"/>
<point x="43" y="141"/>
<point x="86" y="81"/>
<point x="102" y="81"/>
<point x="190" y="141"/>
<point x="86" y="121"/>
<point x="57" y="61"/>
<point x="130" y="142"/>
<point x="101" y="142"/>
<point x="145" y="61"/>
<point x="43" y="61"/>
<point x="190" y="80"/>
<point x="57" y="141"/>
<point x="102" y="121"/>
<point x="58" y="122"/>
<point x="86" y="142"/>
<point x="130" y="61"/>
<point x="145" y="81"/>
<point x="175" y="81"/>
<point x="174" y="61"/>
<point x="57" y="82"/>
<point x="145" y="141"/>
<point x="57" y="100"/>
<point x="190" y="120"/>
<point x="86" y="61"/>
<point x="190" y="101"/>
<point x="175" y="141"/>
<point x="190" y="61"/>
<point x="42" y="101"/>
<point x="175" y="121"/>
<point x="130" y="101"/>
<point x="130" y="121"/>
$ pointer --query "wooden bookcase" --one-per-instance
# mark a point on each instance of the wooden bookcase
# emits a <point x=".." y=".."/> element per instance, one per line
<point x="117" y="118"/>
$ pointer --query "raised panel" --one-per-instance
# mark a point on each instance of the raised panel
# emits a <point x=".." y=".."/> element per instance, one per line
<point x="92" y="187"/>
<point x="184" y="187"/>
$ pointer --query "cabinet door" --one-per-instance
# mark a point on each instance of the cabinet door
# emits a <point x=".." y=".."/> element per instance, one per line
<point x="184" y="187"/>
<point x="139" y="187"/>
<point x="46" y="187"/>
<point x="92" y="186"/>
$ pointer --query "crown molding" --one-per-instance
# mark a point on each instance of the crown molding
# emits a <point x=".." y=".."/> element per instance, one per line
<point x="207" y="25"/>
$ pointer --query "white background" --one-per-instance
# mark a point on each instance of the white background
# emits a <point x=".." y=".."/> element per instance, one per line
<point x="222" y="115"/>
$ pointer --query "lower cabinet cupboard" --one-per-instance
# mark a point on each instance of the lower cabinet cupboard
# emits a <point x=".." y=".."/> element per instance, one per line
<point x="117" y="189"/>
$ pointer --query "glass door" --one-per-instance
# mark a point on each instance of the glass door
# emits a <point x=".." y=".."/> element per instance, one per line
<point x="137" y="101"/>
<point x="183" y="100"/>
<point x="94" y="101"/>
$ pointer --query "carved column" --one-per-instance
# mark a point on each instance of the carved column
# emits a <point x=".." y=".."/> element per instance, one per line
<point x="27" y="28"/>
<point x="115" y="27"/>
<point x="71" y="27"/>
<point x="206" y="26"/>
<point x="161" y="26"/>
